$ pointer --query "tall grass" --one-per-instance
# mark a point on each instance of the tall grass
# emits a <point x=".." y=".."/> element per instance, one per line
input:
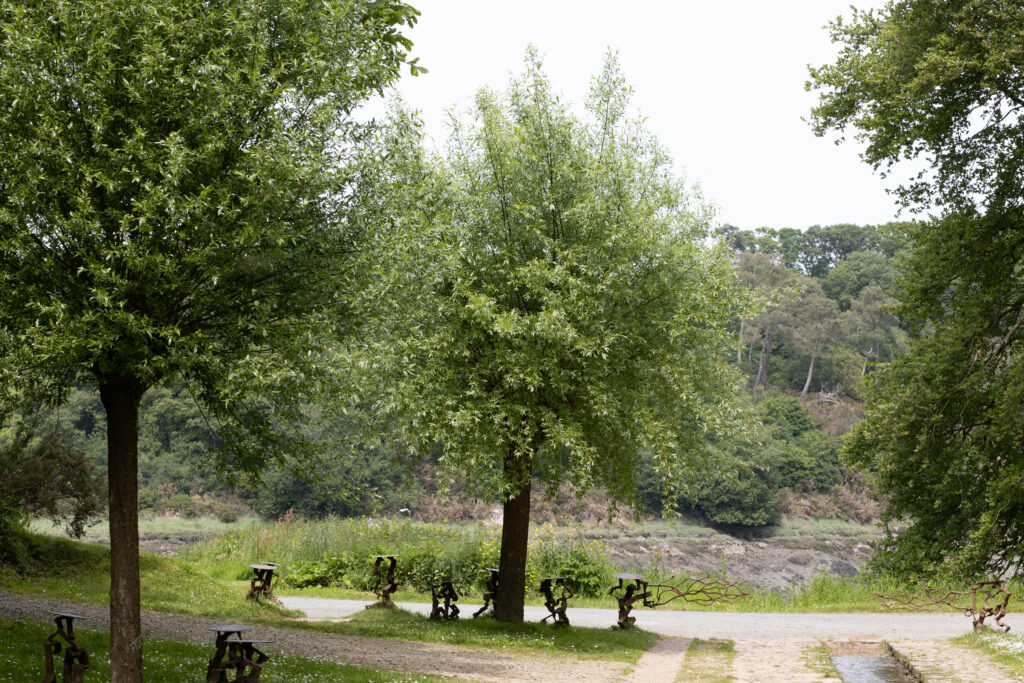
<point x="429" y="553"/>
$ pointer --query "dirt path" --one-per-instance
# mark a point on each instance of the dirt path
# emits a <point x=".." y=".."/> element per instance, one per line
<point x="661" y="663"/>
<point x="377" y="653"/>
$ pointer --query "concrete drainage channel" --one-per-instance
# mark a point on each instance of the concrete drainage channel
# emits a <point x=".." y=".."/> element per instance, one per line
<point x="871" y="662"/>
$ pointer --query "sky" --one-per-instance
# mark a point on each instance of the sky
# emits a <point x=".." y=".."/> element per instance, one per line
<point x="720" y="82"/>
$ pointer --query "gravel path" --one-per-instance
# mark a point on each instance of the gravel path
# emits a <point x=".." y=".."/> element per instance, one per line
<point x="733" y="625"/>
<point x="949" y="663"/>
<point x="377" y="653"/>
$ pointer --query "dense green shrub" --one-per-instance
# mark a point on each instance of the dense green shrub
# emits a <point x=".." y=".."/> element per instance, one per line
<point x="182" y="504"/>
<point x="745" y="499"/>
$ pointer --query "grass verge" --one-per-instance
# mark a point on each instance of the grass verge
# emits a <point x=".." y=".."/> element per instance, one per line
<point x="525" y="638"/>
<point x="708" y="661"/>
<point x="80" y="573"/>
<point x="21" y="659"/>
<point x="1005" y="648"/>
<point x="819" y="660"/>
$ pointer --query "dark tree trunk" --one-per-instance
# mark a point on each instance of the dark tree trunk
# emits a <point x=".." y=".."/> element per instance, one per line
<point x="810" y="371"/>
<point x="515" y="536"/>
<point x="739" y="346"/>
<point x="121" y="398"/>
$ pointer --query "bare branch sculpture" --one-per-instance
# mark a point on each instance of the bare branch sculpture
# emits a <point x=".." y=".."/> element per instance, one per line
<point x="983" y="600"/>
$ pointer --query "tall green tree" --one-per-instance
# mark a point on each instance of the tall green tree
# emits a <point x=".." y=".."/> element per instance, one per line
<point x="574" y="316"/>
<point x="174" y="184"/>
<point x="943" y="82"/>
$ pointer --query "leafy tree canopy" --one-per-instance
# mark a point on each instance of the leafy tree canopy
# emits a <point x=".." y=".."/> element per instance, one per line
<point x="175" y="178"/>
<point x="944" y="81"/>
<point x="570" y="314"/>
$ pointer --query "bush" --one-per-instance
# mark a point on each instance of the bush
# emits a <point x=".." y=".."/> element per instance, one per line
<point x="147" y="498"/>
<point x="745" y="500"/>
<point x="225" y="513"/>
<point x="182" y="504"/>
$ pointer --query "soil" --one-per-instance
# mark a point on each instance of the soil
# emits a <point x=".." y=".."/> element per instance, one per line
<point x="775" y="559"/>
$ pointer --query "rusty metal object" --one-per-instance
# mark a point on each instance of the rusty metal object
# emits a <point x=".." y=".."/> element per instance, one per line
<point x="385" y="585"/>
<point x="634" y="588"/>
<point x="556" y="606"/>
<point x="76" y="659"/>
<point x="262" y="584"/>
<point x="444" y="591"/>
<point x="986" y="599"/>
<point x="239" y="655"/>
<point x="489" y="591"/>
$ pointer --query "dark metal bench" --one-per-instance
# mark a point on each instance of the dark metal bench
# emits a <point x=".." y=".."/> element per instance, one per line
<point x="489" y="591"/>
<point x="385" y="585"/>
<point x="239" y="655"/>
<point x="262" y="584"/>
<point x="556" y="606"/>
<point x="76" y="659"/>
<point x="444" y="591"/>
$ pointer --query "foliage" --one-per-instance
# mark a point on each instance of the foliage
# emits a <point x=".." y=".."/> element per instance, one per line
<point x="173" y="194"/>
<point x="743" y="499"/>
<point x="174" y="178"/>
<point x="565" y="312"/>
<point x="339" y="552"/>
<point x="43" y="477"/>
<point x="942" y="81"/>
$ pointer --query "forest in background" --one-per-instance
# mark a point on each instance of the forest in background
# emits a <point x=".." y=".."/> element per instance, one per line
<point x="826" y="322"/>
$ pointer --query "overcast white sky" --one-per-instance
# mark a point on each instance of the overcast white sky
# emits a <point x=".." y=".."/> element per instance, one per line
<point x="721" y="83"/>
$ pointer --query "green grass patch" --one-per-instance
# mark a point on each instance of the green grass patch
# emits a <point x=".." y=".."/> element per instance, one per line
<point x="819" y="660"/>
<point x="1005" y="648"/>
<point x="708" y="661"/>
<point x="21" y="659"/>
<point x="80" y="573"/>
<point x="524" y="638"/>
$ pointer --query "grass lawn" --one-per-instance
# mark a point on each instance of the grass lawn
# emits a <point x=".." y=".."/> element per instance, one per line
<point x="21" y="659"/>
<point x="80" y="573"/>
<point x="525" y="638"/>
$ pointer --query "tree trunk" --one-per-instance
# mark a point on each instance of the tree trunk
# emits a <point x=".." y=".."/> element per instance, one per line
<point x="739" y="346"/>
<point x="762" y="365"/>
<point x="810" y="371"/>
<point x="515" y="536"/>
<point x="121" y="397"/>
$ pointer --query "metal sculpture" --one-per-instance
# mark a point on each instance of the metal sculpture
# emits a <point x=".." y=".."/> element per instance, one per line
<point x="556" y="606"/>
<point x="987" y="599"/>
<point x="489" y="591"/>
<point x="448" y="610"/>
<point x="216" y="670"/>
<point x="385" y="585"/>
<point x="634" y="588"/>
<point x="76" y="659"/>
<point x="262" y="584"/>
